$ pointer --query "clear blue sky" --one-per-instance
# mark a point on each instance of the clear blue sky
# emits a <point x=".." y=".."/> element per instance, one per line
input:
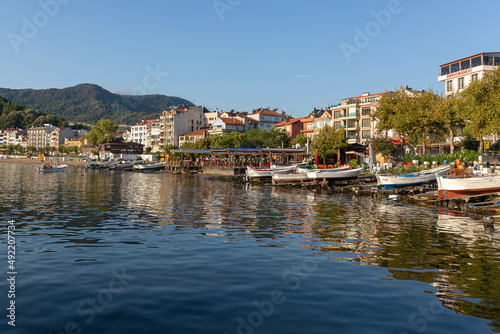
<point x="243" y="54"/>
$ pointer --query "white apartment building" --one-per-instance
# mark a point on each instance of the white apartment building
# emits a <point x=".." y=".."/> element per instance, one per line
<point x="266" y="118"/>
<point x="146" y="133"/>
<point x="460" y="73"/>
<point x="40" y="136"/>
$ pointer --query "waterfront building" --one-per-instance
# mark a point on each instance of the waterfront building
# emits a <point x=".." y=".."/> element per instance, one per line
<point x="13" y="137"/>
<point x="78" y="142"/>
<point x="354" y="114"/>
<point x="209" y="118"/>
<point x="146" y="133"/>
<point x="120" y="150"/>
<point x="58" y="136"/>
<point x="324" y="118"/>
<point x="39" y="136"/>
<point x="223" y="125"/>
<point x="292" y="126"/>
<point x="458" y="74"/>
<point x="179" y="121"/>
<point x="266" y="118"/>
<point x="308" y="126"/>
<point x="193" y="137"/>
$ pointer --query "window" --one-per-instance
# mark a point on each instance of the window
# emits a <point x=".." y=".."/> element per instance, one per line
<point x="445" y="70"/>
<point x="449" y="86"/>
<point x="476" y="61"/>
<point x="336" y="125"/>
<point x="366" y="123"/>
<point x="465" y="64"/>
<point x="310" y="126"/>
<point x="460" y="83"/>
<point x="474" y="77"/>
<point x="366" y="111"/>
<point x="455" y="67"/>
<point x="365" y="134"/>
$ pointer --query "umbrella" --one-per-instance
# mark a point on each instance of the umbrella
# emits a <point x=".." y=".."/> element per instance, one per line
<point x="338" y="158"/>
<point x="316" y="160"/>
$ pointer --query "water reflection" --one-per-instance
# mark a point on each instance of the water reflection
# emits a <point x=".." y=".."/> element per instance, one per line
<point x="447" y="250"/>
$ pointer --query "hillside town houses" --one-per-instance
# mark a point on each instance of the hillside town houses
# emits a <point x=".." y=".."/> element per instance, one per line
<point x="187" y="124"/>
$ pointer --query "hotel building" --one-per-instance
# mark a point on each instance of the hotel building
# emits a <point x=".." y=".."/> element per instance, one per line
<point x="354" y="114"/>
<point x="460" y="73"/>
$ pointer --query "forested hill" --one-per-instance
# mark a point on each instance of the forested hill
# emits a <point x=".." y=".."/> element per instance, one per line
<point x="13" y="115"/>
<point x="89" y="103"/>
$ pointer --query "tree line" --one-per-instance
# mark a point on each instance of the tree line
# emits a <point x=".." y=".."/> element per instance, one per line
<point x="425" y="117"/>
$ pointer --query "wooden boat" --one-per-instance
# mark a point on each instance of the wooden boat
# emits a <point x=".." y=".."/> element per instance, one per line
<point x="410" y="179"/>
<point x="256" y="173"/>
<point x="287" y="178"/>
<point x="453" y="187"/>
<point x="47" y="167"/>
<point x="307" y="170"/>
<point x="339" y="175"/>
<point x="150" y="167"/>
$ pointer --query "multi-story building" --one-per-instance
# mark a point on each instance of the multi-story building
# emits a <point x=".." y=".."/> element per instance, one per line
<point x="58" y="136"/>
<point x="460" y="73"/>
<point x="146" y="133"/>
<point x="39" y="136"/>
<point x="193" y="137"/>
<point x="266" y="118"/>
<point x="324" y="119"/>
<point x="354" y="114"/>
<point x="179" y="121"/>
<point x="292" y="126"/>
<point x="13" y="137"/>
<point x="223" y="125"/>
<point x="308" y="126"/>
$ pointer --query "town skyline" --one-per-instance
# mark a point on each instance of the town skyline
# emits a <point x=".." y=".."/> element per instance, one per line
<point x="241" y="55"/>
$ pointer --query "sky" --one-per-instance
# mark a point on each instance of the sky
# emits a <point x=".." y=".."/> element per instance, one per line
<point x="241" y="54"/>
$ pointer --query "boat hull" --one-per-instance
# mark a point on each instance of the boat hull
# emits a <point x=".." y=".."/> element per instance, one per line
<point x="462" y="187"/>
<point x="408" y="180"/>
<point x="254" y="173"/>
<point x="52" y="169"/>
<point x="331" y="176"/>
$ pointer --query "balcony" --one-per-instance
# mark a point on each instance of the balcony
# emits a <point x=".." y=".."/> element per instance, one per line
<point x="352" y="126"/>
<point x="353" y="114"/>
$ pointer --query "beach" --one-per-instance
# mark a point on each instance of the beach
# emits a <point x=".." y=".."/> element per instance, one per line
<point x="35" y="160"/>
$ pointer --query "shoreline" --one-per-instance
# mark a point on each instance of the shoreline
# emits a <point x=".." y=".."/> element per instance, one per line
<point x="36" y="161"/>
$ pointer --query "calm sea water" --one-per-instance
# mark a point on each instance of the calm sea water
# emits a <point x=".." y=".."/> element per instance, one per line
<point x="118" y="252"/>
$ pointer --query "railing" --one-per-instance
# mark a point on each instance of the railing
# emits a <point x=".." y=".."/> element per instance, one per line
<point x="353" y="114"/>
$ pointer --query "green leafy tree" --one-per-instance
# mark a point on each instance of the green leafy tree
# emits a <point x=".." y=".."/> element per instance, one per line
<point x="329" y="141"/>
<point x="231" y="139"/>
<point x="300" y="139"/>
<point x="383" y="146"/>
<point x="480" y="106"/>
<point x="102" y="132"/>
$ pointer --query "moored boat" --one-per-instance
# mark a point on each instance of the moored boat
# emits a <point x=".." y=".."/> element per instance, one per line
<point x="454" y="187"/>
<point x="410" y="179"/>
<point x="338" y="175"/>
<point x="150" y="167"/>
<point x="256" y="173"/>
<point x="47" y="167"/>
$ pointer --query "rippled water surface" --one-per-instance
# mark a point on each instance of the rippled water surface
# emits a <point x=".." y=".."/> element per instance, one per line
<point x="117" y="252"/>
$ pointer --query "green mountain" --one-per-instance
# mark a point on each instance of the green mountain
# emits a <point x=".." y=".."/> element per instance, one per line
<point x="89" y="103"/>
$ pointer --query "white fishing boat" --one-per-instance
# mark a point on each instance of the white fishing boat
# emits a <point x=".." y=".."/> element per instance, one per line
<point x="144" y="167"/>
<point x="47" y="167"/>
<point x="301" y="175"/>
<point x="262" y="173"/>
<point x="410" y="179"/>
<point x="453" y="187"/>
<point x="340" y="175"/>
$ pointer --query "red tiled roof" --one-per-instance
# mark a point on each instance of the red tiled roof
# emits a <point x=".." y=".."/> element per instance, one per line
<point x="268" y="112"/>
<point x="232" y="121"/>
<point x="149" y="121"/>
<point x="197" y="133"/>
